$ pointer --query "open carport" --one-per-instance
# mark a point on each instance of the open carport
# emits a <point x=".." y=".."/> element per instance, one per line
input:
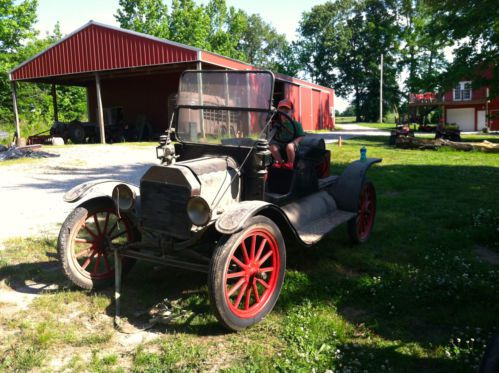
<point x="131" y="80"/>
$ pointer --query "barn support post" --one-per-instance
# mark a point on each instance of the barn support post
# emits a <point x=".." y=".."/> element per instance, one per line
<point x="444" y="119"/>
<point x="16" y="114"/>
<point x="199" y="66"/>
<point x="226" y="84"/>
<point x="54" y="103"/>
<point x="100" y="111"/>
<point x="487" y="100"/>
<point x="381" y="90"/>
<point x="247" y="130"/>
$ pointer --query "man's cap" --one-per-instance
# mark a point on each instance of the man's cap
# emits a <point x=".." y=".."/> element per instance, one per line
<point x="285" y="103"/>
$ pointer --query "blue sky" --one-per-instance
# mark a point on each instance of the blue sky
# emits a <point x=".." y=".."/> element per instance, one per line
<point x="284" y="15"/>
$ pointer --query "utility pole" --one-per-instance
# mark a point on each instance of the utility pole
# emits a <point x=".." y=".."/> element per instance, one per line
<point x="381" y="91"/>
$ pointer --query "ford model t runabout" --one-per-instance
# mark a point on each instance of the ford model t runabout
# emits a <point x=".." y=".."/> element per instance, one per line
<point x="215" y="204"/>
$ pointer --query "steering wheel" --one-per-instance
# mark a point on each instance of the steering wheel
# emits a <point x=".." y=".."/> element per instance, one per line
<point x="276" y="126"/>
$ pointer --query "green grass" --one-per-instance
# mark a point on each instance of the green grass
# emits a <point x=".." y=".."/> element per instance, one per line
<point x="382" y="126"/>
<point x="414" y="298"/>
<point x="339" y="120"/>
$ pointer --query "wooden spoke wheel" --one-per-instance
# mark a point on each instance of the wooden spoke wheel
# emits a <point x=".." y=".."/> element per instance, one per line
<point x="246" y="274"/>
<point x="86" y="239"/>
<point x="361" y="226"/>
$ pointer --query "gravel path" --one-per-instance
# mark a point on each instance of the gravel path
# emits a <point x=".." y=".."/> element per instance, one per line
<point x="350" y="131"/>
<point x="31" y="193"/>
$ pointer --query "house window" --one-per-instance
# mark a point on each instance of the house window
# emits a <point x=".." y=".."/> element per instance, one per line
<point x="466" y="93"/>
<point x="462" y="92"/>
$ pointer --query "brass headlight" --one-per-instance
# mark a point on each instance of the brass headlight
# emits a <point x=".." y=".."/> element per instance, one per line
<point x="199" y="211"/>
<point x="123" y="197"/>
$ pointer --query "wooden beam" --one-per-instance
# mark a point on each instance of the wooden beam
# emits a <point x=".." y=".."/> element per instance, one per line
<point x="54" y="103"/>
<point x="16" y="114"/>
<point x="100" y="111"/>
<point x="200" y="92"/>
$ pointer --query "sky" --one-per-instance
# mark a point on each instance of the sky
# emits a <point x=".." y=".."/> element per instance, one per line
<point x="284" y="15"/>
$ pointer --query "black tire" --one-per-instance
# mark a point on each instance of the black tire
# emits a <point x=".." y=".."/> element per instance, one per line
<point x="76" y="133"/>
<point x="361" y="226"/>
<point x="259" y="299"/>
<point x="84" y="223"/>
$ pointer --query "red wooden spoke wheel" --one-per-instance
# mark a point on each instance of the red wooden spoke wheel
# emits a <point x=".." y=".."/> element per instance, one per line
<point x="246" y="274"/>
<point x="86" y="239"/>
<point x="361" y="226"/>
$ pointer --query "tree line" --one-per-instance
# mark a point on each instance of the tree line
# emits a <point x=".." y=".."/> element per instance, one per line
<point x="339" y="44"/>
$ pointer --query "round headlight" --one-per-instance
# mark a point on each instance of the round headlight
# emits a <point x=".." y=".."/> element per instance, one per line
<point x="199" y="211"/>
<point x="123" y="197"/>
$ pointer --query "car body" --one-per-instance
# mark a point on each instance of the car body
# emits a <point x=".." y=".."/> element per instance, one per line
<point x="215" y="204"/>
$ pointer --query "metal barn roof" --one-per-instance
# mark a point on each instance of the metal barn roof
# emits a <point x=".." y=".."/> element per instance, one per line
<point x="97" y="47"/>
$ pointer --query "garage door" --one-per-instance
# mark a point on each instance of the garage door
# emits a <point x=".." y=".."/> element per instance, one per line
<point x="464" y="118"/>
<point x="480" y="120"/>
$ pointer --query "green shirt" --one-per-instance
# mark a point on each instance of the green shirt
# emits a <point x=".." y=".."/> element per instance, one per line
<point x="284" y="136"/>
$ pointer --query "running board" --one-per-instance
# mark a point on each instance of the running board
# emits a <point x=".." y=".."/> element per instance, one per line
<point x="314" y="216"/>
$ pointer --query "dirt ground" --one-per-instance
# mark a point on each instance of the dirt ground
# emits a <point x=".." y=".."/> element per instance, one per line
<point x="31" y="192"/>
<point x="31" y="201"/>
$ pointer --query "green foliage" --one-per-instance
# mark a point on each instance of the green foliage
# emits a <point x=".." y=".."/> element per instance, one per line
<point x="473" y="26"/>
<point x="340" y="44"/>
<point x="349" y="111"/>
<point x="422" y="52"/>
<point x="16" y="26"/>
<point x="215" y="27"/>
<point x="146" y="16"/>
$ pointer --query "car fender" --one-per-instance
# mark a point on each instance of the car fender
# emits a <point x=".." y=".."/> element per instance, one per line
<point x="234" y="217"/>
<point x="101" y="187"/>
<point x="347" y="189"/>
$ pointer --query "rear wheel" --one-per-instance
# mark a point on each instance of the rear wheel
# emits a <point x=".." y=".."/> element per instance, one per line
<point x="85" y="241"/>
<point x="76" y="133"/>
<point x="360" y="227"/>
<point x="246" y="274"/>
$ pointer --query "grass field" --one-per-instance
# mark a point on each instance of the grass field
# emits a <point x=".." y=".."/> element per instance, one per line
<point x="421" y="295"/>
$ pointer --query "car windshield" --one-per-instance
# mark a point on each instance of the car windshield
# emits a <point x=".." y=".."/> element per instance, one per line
<point x="214" y="106"/>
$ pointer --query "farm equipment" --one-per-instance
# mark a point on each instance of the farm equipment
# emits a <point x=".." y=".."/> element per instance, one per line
<point x="214" y="204"/>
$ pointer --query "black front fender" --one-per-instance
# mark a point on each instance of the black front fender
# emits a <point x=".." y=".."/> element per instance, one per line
<point x="347" y="189"/>
<point x="103" y="187"/>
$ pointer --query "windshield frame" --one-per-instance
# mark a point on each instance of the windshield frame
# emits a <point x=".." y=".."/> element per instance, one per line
<point x="232" y="108"/>
<point x="174" y="123"/>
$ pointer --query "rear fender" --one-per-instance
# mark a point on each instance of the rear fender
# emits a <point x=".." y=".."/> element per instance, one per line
<point x="347" y="189"/>
<point x="101" y="187"/>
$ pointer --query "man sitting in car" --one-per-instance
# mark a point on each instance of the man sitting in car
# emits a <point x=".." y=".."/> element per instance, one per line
<point x="287" y="137"/>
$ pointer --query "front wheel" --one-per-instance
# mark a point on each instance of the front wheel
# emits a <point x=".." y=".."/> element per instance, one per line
<point x="85" y="242"/>
<point x="360" y="227"/>
<point x="247" y="273"/>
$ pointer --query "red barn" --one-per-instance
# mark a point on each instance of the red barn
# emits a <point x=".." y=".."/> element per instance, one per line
<point x="138" y="75"/>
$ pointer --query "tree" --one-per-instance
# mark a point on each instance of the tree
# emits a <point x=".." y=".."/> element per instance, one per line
<point x="421" y="50"/>
<point x="340" y="45"/>
<point x="189" y="24"/>
<point x="474" y="28"/>
<point x="16" y="25"/>
<point x="226" y="29"/>
<point x="214" y="27"/>
<point x="146" y="16"/>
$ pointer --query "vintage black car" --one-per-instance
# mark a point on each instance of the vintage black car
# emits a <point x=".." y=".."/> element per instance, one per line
<point x="215" y="204"/>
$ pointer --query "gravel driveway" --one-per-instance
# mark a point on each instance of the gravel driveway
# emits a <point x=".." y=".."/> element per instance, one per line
<point x="31" y="193"/>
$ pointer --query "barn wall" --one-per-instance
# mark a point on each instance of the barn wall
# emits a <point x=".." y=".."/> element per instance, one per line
<point x="138" y="96"/>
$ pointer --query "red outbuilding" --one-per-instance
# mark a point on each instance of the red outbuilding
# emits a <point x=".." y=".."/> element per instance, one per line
<point x="471" y="109"/>
<point x="136" y="75"/>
